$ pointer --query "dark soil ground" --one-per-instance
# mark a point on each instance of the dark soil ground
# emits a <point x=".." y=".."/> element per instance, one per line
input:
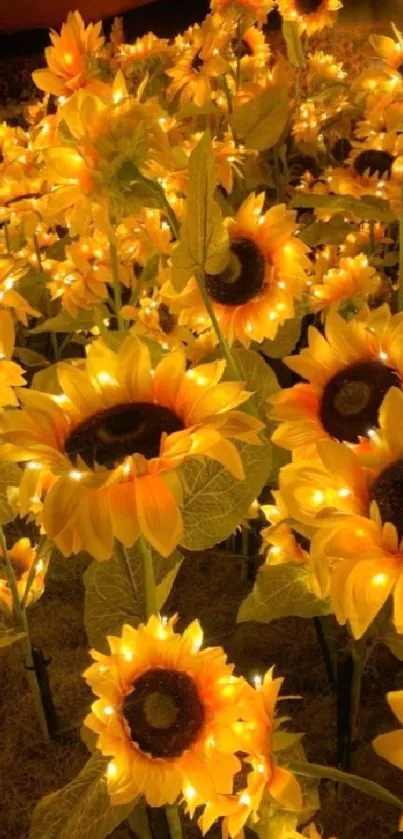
<point x="209" y="586"/>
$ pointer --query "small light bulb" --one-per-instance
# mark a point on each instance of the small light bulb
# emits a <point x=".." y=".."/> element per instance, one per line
<point x="112" y="769"/>
<point x="75" y="475"/>
<point x="380" y="580"/>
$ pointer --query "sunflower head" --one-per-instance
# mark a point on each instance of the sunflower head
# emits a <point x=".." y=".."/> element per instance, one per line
<point x="167" y="714"/>
<point x="311" y="15"/>
<point x="68" y="57"/>
<point x="353" y="280"/>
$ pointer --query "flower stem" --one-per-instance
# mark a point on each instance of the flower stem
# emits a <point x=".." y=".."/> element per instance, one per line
<point x="314" y="770"/>
<point x="38" y="253"/>
<point x="26" y="641"/>
<point x="400" y="289"/>
<point x="149" y="581"/>
<point x="232" y="366"/>
<point x="174" y="822"/>
<point x="117" y="289"/>
<point x="33" y="569"/>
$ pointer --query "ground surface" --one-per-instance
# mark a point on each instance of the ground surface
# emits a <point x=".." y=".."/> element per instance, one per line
<point x="210" y="587"/>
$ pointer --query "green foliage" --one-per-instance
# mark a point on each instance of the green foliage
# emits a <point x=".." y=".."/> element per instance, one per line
<point x="214" y="502"/>
<point x="203" y="245"/>
<point x="394" y="642"/>
<point x="367" y="208"/>
<point x="30" y="358"/>
<point x="138" y="820"/>
<point x="261" y="121"/>
<point x="331" y="232"/>
<point x="293" y="42"/>
<point x="32" y="286"/>
<point x="80" y="810"/>
<point x="259" y="378"/>
<point x="285" y="341"/>
<point x="10" y="476"/>
<point x="113" y="598"/>
<point x="58" y="249"/>
<point x="63" y="322"/>
<point x="281" y="591"/>
<point x="9" y="634"/>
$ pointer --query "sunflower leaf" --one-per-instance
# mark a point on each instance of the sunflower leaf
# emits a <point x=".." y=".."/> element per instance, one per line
<point x="203" y="244"/>
<point x="138" y="820"/>
<point x="261" y="121"/>
<point x="10" y="476"/>
<point x="80" y="810"/>
<point x="63" y="322"/>
<point x="287" y="337"/>
<point x="332" y="232"/>
<point x="109" y="597"/>
<point x="9" y="635"/>
<point x="214" y="502"/>
<point x="30" y="358"/>
<point x="293" y="42"/>
<point x="281" y="591"/>
<point x="260" y="379"/>
<point x="367" y="208"/>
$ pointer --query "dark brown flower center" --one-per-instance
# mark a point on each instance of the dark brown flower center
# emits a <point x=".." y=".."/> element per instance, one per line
<point x="374" y="162"/>
<point x="308" y="7"/>
<point x="341" y="149"/>
<point x="387" y="491"/>
<point x="240" y="780"/>
<point x="352" y="398"/>
<point x="164" y="712"/>
<point x="241" y="47"/>
<point x="242" y="279"/>
<point x="197" y="62"/>
<point x="400" y="69"/>
<point x="167" y="321"/>
<point x="111" y="435"/>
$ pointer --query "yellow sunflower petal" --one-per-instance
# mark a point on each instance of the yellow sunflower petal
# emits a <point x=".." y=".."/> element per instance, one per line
<point x="159" y="517"/>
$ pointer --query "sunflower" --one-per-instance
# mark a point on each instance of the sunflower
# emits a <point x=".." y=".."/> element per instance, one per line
<point x="390" y="745"/>
<point x="11" y="374"/>
<point x="104" y="453"/>
<point x="353" y="280"/>
<point x="266" y="271"/>
<point x="22" y="557"/>
<point x="167" y="714"/>
<point x="370" y="166"/>
<point x="198" y="60"/>
<point x="311" y="15"/>
<point x="144" y="49"/>
<point x="261" y="775"/>
<point x="154" y="320"/>
<point x="251" y="49"/>
<point x="354" y="499"/>
<point x="10" y="273"/>
<point x="253" y="10"/>
<point x="280" y="544"/>
<point x="323" y="66"/>
<point x="69" y="58"/>
<point x="349" y="371"/>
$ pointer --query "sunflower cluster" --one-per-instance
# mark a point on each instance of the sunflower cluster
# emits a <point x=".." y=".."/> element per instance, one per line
<point x="180" y="218"/>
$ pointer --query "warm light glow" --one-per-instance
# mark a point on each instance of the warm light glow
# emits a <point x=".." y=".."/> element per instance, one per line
<point x="75" y="475"/>
<point x="112" y="769"/>
<point x="380" y="580"/>
<point x="318" y="497"/>
<point x="245" y="799"/>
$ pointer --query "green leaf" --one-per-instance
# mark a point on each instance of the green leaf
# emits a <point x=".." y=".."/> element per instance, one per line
<point x="203" y="243"/>
<point x="138" y="821"/>
<point x="80" y="810"/>
<point x="9" y="634"/>
<point x="109" y="598"/>
<point x="30" y="358"/>
<point x="394" y="642"/>
<point x="293" y="42"/>
<point x="63" y="322"/>
<point x="58" y="249"/>
<point x="261" y="121"/>
<point x="281" y="591"/>
<point x="214" y="501"/>
<point x="367" y="208"/>
<point x="287" y="337"/>
<point x="374" y="790"/>
<point x="32" y="286"/>
<point x="331" y="232"/>
<point x="259" y="377"/>
<point x="10" y="476"/>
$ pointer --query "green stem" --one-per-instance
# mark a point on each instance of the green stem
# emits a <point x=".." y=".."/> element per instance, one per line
<point x="26" y="641"/>
<point x="38" y="253"/>
<point x="174" y="822"/>
<point x="232" y="366"/>
<point x="372" y="237"/>
<point x="117" y="288"/>
<point x="99" y="322"/>
<point x="361" y="652"/>
<point x="228" y="95"/>
<point x="400" y="290"/>
<point x="149" y="581"/>
<point x="172" y="220"/>
<point x="314" y="770"/>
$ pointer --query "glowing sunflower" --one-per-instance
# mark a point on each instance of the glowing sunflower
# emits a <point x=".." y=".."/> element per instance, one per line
<point x="10" y="372"/>
<point x="22" y="556"/>
<point x="252" y="50"/>
<point x="68" y="58"/>
<point x="253" y="9"/>
<point x="349" y="372"/>
<point x="197" y="62"/>
<point x="311" y="15"/>
<point x="167" y="714"/>
<point x="104" y="453"/>
<point x="390" y="745"/>
<point x="352" y="280"/>
<point x="266" y="271"/>
<point x="369" y="168"/>
<point x="260" y="775"/>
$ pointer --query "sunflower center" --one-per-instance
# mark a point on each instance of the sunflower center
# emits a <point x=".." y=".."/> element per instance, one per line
<point x="166" y="320"/>
<point x="375" y="162"/>
<point x="197" y="62"/>
<point x="111" y="435"/>
<point x="241" y="47"/>
<point x="242" y="279"/>
<point x="341" y="149"/>
<point x="164" y="712"/>
<point x="307" y="7"/>
<point x="352" y="398"/>
<point x="387" y="491"/>
<point x="400" y="69"/>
